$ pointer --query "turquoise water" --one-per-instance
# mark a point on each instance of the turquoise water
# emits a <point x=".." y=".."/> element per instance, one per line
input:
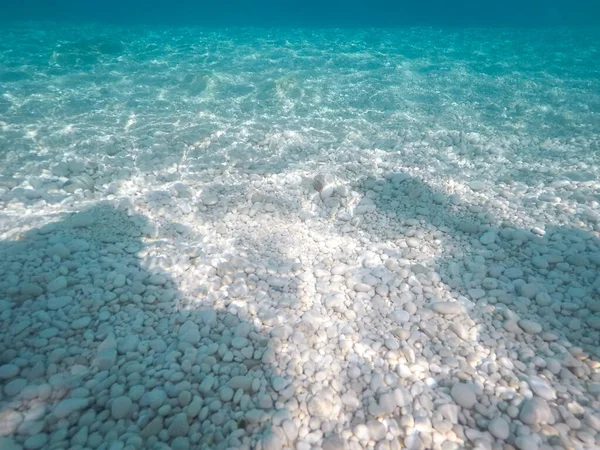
<point x="357" y="13"/>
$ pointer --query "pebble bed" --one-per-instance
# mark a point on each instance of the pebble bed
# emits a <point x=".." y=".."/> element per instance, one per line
<point x="198" y="261"/>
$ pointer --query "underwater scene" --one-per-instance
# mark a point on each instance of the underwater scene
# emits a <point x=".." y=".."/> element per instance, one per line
<point x="299" y="226"/>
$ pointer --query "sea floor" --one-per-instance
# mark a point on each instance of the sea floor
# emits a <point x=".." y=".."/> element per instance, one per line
<point x="299" y="238"/>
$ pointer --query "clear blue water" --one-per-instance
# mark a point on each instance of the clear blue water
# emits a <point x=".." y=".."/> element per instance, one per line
<point x="313" y="12"/>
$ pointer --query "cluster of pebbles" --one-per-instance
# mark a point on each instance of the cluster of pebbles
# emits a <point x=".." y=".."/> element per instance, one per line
<point x="379" y="309"/>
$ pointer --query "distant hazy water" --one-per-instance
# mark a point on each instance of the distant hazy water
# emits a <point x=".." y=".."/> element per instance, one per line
<point x="312" y="12"/>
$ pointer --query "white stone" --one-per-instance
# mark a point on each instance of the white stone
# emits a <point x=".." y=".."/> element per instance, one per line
<point x="529" y="326"/>
<point x="8" y="371"/>
<point x="541" y="388"/>
<point x="82" y="322"/>
<point x="15" y="387"/>
<point x="155" y="398"/>
<point x="82" y="220"/>
<point x="540" y="262"/>
<point x="59" y="283"/>
<point x="207" y="316"/>
<point x="119" y="280"/>
<point x="377" y="430"/>
<point x="446" y="308"/>
<point x="400" y="316"/>
<point x="56" y="303"/>
<point x="154" y="427"/>
<point x="241" y="382"/>
<point x="463" y="395"/>
<point x="239" y="342"/>
<point x="106" y="354"/>
<point x="128" y="344"/>
<point x="477" y="185"/>
<point x="121" y="407"/>
<point x="499" y="428"/>
<point x="402" y="397"/>
<point x="320" y="404"/>
<point x="7" y="443"/>
<point x="270" y="441"/>
<point x="488" y="238"/>
<point x="535" y="411"/>
<point x="179" y="426"/>
<point x="387" y="402"/>
<point x="156" y="279"/>
<point x="210" y="199"/>
<point x="36" y="442"/>
<point x="189" y="333"/>
<point x="66" y="407"/>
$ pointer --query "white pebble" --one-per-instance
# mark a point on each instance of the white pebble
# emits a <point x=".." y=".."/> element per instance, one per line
<point x="499" y="428"/>
<point x="463" y="395"/>
<point x="8" y="371"/>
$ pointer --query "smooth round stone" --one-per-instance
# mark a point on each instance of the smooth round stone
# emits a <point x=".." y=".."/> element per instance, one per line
<point x="82" y="220"/>
<point x="540" y="262"/>
<point x="10" y="421"/>
<point x="121" y="407"/>
<point x="488" y="238"/>
<point x="128" y="344"/>
<point x="155" y="398"/>
<point x="57" y="284"/>
<point x="15" y="386"/>
<point x="463" y="395"/>
<point x="241" y="382"/>
<point x="392" y="344"/>
<point x="154" y="427"/>
<point x="530" y="442"/>
<point x="239" y="342"/>
<point x="7" y="443"/>
<point x="489" y="283"/>
<point x="8" y="371"/>
<point x="499" y="428"/>
<point x="334" y="442"/>
<point x="594" y="321"/>
<point x="377" y="430"/>
<point x="477" y="185"/>
<point x="189" y="332"/>
<point x="180" y="443"/>
<point x="68" y="406"/>
<point x="361" y="431"/>
<point x="513" y="273"/>
<point x="468" y="227"/>
<point x="226" y="394"/>
<point x="529" y="326"/>
<point x="400" y="316"/>
<point x="387" y="402"/>
<point x="36" y="442"/>
<point x="447" y="308"/>
<point x="31" y="290"/>
<point x="320" y="405"/>
<point x="535" y="411"/>
<point x="157" y="279"/>
<point x="179" y="426"/>
<point x="460" y="330"/>
<point x="476" y="294"/>
<point x="541" y="388"/>
<point x="592" y="420"/>
<point x="119" y="280"/>
<point x="210" y="200"/>
<point x="270" y="441"/>
<point x="82" y="322"/>
<point x="529" y="290"/>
